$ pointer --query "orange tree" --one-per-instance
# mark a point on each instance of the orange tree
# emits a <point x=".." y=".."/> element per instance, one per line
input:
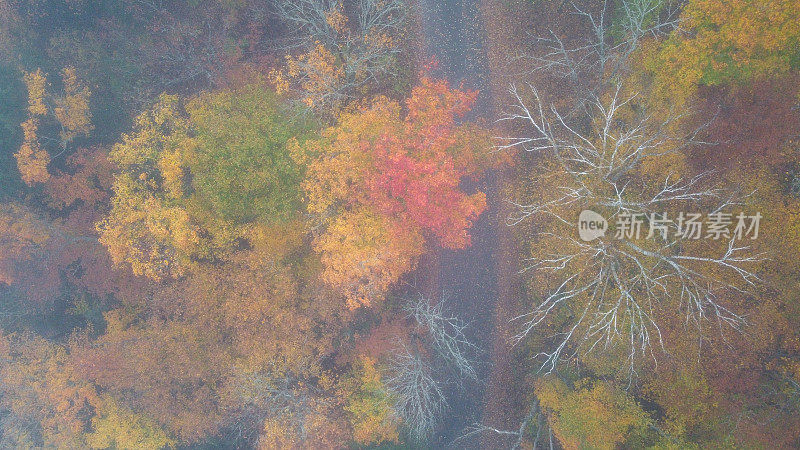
<point x="379" y="183"/>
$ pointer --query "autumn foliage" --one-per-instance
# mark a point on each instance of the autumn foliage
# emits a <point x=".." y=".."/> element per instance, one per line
<point x="380" y="184"/>
<point x="724" y="42"/>
<point x="193" y="178"/>
<point x="250" y="224"/>
<point x="68" y="109"/>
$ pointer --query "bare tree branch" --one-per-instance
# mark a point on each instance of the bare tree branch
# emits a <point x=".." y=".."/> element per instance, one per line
<point x="619" y="285"/>
<point x="447" y="333"/>
<point x="420" y="400"/>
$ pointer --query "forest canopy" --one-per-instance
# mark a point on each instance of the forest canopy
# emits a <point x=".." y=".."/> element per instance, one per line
<point x="391" y="224"/>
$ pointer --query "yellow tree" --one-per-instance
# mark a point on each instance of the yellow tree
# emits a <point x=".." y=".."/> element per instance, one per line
<point x="115" y="426"/>
<point x="31" y="159"/>
<point x="148" y="226"/>
<point x="370" y="405"/>
<point x="721" y="42"/>
<point x="592" y="414"/>
<point x="193" y="181"/>
<point x="69" y="110"/>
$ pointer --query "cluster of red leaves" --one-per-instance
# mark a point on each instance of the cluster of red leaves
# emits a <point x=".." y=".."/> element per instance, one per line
<point x="417" y="175"/>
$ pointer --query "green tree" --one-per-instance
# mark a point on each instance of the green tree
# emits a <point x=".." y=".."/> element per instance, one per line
<point x="241" y="166"/>
<point x="191" y="184"/>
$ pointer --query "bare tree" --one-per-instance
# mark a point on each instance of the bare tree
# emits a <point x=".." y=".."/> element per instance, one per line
<point x="447" y="335"/>
<point x="188" y="44"/>
<point x="617" y="288"/>
<point x="606" y="53"/>
<point x="534" y="420"/>
<point x="363" y="50"/>
<point x="620" y="155"/>
<point x="308" y="20"/>
<point x="420" y="400"/>
<point x="311" y="21"/>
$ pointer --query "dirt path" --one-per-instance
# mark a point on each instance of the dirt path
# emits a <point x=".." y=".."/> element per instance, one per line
<point x="452" y="31"/>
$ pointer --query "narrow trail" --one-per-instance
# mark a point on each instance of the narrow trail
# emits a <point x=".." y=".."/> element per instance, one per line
<point x="453" y="35"/>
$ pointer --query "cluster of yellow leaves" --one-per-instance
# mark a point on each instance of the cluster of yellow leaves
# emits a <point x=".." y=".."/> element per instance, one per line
<point x="32" y="160"/>
<point x="149" y="226"/>
<point x="380" y="41"/>
<point x="750" y="26"/>
<point x="148" y="235"/>
<point x="318" y="72"/>
<point x="70" y="110"/>
<point x="115" y="426"/>
<point x="336" y="19"/>
<point x="275" y="239"/>
<point x="724" y="41"/>
<point x="280" y="81"/>
<point x="364" y="254"/>
<point x="370" y="406"/>
<point x="591" y="414"/>
<point x="36" y="83"/>
<point x="338" y="161"/>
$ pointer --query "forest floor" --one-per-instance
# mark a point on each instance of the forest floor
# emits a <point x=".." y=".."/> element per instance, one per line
<point x="480" y="43"/>
<point x="474" y="44"/>
<point x="466" y="279"/>
<point x="505" y="397"/>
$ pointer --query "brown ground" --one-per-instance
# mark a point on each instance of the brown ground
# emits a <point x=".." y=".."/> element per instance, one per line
<point x="510" y="26"/>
